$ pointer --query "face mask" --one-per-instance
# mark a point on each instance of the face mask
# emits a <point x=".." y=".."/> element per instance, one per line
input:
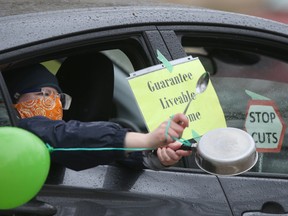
<point x="49" y="106"/>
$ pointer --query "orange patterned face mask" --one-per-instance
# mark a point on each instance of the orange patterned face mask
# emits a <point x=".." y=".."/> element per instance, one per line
<point x="49" y="106"/>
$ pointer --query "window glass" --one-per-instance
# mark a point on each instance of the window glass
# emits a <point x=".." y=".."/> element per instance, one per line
<point x="252" y="90"/>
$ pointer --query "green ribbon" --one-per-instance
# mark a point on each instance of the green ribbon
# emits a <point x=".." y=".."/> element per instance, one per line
<point x="181" y="140"/>
<point x="255" y="96"/>
<point x="164" y="61"/>
<point x="52" y="149"/>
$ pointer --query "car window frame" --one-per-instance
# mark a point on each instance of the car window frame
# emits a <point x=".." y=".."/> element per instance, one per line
<point x="8" y="102"/>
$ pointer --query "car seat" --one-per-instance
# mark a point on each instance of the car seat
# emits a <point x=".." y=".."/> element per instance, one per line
<point x="89" y="79"/>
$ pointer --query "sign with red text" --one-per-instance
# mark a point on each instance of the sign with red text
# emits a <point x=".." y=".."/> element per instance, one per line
<point x="161" y="93"/>
<point x="265" y="124"/>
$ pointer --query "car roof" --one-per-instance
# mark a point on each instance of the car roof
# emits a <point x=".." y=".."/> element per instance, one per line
<point x="19" y="30"/>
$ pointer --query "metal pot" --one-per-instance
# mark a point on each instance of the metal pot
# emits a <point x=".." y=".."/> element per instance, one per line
<point x="226" y="151"/>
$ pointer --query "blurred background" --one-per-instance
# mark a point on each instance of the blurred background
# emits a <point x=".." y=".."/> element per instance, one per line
<point x="271" y="9"/>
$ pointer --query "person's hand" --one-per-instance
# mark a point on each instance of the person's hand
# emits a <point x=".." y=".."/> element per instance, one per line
<point x="172" y="128"/>
<point x="171" y="154"/>
<point x="161" y="136"/>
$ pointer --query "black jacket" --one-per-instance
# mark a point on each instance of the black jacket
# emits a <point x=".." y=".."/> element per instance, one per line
<point x="76" y="134"/>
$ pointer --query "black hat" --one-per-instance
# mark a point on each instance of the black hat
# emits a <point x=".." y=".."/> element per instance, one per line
<point x="29" y="79"/>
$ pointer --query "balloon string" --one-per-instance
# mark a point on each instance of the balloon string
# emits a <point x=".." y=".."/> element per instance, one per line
<point x="182" y="140"/>
<point x="52" y="149"/>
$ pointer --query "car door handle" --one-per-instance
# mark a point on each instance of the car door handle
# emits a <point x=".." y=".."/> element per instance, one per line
<point x="262" y="214"/>
<point x="270" y="208"/>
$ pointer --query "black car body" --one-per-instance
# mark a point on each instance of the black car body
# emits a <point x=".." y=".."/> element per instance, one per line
<point x="242" y="52"/>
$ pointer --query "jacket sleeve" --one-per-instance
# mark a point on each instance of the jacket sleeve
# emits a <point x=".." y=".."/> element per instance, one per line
<point x="76" y="134"/>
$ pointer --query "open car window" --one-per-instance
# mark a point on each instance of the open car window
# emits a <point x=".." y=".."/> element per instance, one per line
<point x="123" y="110"/>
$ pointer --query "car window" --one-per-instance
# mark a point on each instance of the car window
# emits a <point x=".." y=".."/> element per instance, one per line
<point x="125" y="110"/>
<point x="252" y="90"/>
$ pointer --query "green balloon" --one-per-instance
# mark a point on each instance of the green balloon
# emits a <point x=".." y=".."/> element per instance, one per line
<point x="24" y="166"/>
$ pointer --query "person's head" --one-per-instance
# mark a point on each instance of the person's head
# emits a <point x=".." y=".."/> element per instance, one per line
<point x="36" y="92"/>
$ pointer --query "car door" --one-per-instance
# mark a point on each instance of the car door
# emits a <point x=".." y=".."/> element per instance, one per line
<point x="243" y="60"/>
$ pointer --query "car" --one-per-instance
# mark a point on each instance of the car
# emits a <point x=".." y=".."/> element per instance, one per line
<point x="247" y="58"/>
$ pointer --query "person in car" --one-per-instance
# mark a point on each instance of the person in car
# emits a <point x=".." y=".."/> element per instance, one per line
<point x="39" y="101"/>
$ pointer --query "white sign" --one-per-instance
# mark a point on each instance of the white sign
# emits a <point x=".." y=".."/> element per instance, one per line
<point x="265" y="125"/>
